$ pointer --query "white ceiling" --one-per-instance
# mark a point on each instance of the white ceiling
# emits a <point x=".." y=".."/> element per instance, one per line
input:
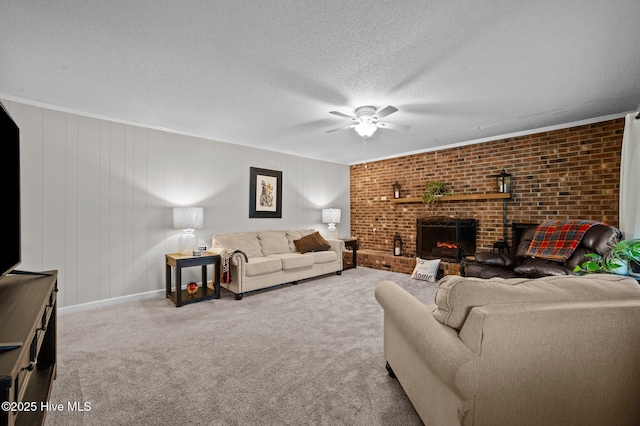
<point x="267" y="73"/>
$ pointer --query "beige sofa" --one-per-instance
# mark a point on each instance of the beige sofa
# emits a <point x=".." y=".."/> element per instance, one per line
<point x="272" y="259"/>
<point x="547" y="351"/>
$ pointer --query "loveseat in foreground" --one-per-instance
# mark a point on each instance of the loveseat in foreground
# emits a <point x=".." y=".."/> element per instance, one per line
<point x="559" y="350"/>
<point x="272" y="258"/>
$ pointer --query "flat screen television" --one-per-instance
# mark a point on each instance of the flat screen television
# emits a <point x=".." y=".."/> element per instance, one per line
<point x="10" y="244"/>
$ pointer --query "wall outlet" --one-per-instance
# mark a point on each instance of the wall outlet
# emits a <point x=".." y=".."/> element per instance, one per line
<point x="383" y="198"/>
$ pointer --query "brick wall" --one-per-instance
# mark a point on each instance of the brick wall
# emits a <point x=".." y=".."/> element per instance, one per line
<point x="571" y="173"/>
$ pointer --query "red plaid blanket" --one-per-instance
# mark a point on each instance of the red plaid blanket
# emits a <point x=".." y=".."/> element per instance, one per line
<point x="557" y="239"/>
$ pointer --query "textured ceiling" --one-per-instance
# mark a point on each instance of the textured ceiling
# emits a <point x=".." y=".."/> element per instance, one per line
<point x="267" y="73"/>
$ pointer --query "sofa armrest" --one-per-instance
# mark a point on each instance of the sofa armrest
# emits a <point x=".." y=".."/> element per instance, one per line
<point x="437" y="344"/>
<point x="238" y="258"/>
<point x="336" y="245"/>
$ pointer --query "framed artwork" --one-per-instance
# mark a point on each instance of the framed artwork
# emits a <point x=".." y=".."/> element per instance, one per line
<point x="265" y="193"/>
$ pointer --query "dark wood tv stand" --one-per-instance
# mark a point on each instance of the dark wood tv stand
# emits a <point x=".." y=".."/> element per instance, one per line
<point x="27" y="316"/>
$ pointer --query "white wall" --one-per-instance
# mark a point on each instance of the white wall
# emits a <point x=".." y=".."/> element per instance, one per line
<point x="97" y="198"/>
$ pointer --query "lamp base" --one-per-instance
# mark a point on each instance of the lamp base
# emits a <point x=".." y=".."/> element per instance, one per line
<point x="187" y="242"/>
<point x="332" y="231"/>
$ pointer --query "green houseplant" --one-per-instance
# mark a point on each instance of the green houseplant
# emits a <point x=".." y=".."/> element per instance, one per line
<point x="614" y="262"/>
<point x="433" y="190"/>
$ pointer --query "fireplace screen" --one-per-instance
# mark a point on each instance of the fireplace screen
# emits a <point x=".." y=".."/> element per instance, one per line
<point x="445" y="238"/>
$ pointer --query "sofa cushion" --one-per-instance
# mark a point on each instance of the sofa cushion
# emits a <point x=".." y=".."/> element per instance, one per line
<point x="312" y="242"/>
<point x="534" y="268"/>
<point x="324" y="256"/>
<point x="273" y="242"/>
<point x="496" y="259"/>
<point x="525" y="240"/>
<point x="296" y="235"/>
<point x="262" y="265"/>
<point x="245" y="241"/>
<point x="480" y="270"/>
<point x="457" y="295"/>
<point x="294" y="260"/>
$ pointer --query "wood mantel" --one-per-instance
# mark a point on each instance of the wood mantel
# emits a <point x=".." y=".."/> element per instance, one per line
<point x="463" y="197"/>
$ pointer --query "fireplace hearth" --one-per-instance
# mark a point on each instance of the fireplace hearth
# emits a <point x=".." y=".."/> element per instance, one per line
<point x="447" y="238"/>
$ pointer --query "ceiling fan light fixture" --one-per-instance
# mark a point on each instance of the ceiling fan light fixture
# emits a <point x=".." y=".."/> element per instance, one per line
<point x="367" y="119"/>
<point x="366" y="128"/>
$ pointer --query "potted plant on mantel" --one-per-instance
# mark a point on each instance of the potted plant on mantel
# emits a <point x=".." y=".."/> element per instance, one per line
<point x="433" y="190"/>
<point x="614" y="262"/>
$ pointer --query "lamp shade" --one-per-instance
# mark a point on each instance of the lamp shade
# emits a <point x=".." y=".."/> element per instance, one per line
<point x="188" y="217"/>
<point x="330" y="215"/>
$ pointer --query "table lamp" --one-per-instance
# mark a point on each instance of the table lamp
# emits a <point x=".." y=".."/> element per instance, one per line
<point x="187" y="219"/>
<point x="331" y="216"/>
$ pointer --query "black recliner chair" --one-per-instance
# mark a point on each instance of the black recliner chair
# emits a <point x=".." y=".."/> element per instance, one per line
<point x="598" y="239"/>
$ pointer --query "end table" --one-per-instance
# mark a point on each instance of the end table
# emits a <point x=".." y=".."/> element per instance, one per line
<point x="179" y="261"/>
<point x="351" y="244"/>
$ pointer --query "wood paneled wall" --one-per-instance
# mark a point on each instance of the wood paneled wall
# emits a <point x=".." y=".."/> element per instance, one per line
<point x="97" y="198"/>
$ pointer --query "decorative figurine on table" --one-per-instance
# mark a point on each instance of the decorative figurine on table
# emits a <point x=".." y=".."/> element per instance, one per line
<point x="192" y="289"/>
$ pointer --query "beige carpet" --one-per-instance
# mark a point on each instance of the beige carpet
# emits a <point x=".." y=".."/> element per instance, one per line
<point x="304" y="354"/>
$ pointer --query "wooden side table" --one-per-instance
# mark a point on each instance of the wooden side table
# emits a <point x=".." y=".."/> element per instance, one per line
<point x="179" y="261"/>
<point x="351" y="244"/>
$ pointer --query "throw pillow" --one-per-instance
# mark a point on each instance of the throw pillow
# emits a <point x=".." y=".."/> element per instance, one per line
<point x="426" y="270"/>
<point x="296" y="235"/>
<point x="312" y="242"/>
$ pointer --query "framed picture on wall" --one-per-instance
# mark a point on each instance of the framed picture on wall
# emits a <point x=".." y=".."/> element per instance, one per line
<point x="265" y="193"/>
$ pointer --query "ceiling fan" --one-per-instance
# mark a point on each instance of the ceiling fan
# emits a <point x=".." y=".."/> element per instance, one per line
<point x="366" y="120"/>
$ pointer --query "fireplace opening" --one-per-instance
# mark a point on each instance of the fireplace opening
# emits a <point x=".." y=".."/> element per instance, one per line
<point x="446" y="250"/>
<point x="447" y="238"/>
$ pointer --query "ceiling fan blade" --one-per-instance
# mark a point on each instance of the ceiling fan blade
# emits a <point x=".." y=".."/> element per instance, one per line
<point x="392" y="126"/>
<point x="384" y="112"/>
<point x="350" y="126"/>
<point x="339" y="114"/>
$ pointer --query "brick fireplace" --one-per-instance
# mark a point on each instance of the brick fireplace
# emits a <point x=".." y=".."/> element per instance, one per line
<point x="570" y="173"/>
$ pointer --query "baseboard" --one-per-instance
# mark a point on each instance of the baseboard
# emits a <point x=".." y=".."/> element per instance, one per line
<point x="107" y="302"/>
